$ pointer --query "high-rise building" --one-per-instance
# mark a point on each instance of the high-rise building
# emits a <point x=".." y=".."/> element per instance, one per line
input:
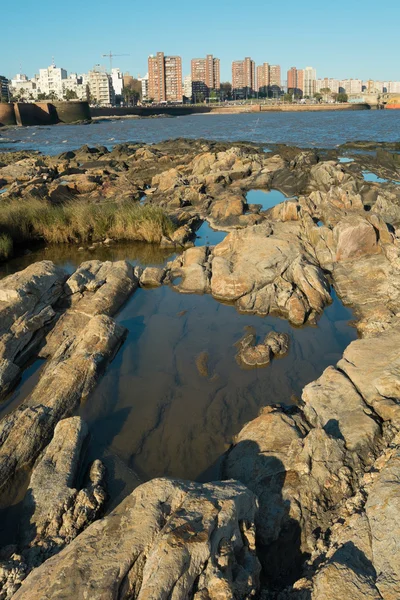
<point x="117" y="80"/>
<point x="295" y="81"/>
<point x="310" y="80"/>
<point x="263" y="79"/>
<point x="187" y="87"/>
<point x="275" y="75"/>
<point x="243" y="78"/>
<point x="165" y="78"/>
<point x="205" y="74"/>
<point x="100" y="87"/>
<point x="144" y="81"/>
<point x="51" y="80"/>
<point x="4" y="88"/>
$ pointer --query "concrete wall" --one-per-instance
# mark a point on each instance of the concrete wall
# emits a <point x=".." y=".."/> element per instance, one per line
<point x="148" y="111"/>
<point x="7" y="115"/>
<point x="43" y="113"/>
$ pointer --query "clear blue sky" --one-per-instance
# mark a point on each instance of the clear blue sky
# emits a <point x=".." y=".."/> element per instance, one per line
<point x="341" y="38"/>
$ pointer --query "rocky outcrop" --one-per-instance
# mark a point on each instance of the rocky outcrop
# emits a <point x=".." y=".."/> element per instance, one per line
<point x="250" y="354"/>
<point x="264" y="269"/>
<point x="27" y="301"/>
<point x="78" y="347"/>
<point x="54" y="511"/>
<point x="167" y="539"/>
<point x="309" y="469"/>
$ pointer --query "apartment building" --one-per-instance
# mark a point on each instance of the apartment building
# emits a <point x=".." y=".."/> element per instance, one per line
<point x="51" y="80"/>
<point x="263" y="79"/>
<point x="205" y="75"/>
<point x="100" y="87"/>
<point x="165" y="78"/>
<point x="295" y="81"/>
<point x="117" y="80"/>
<point x="327" y="83"/>
<point x="351" y="86"/>
<point x="187" y="87"/>
<point x="275" y="76"/>
<point x="4" y="88"/>
<point x="243" y="78"/>
<point x="310" y="82"/>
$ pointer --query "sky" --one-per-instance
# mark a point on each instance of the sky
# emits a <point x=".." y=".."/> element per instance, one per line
<point x="340" y="38"/>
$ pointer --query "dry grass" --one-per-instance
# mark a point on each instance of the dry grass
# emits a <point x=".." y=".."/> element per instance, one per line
<point x="6" y="246"/>
<point x="29" y="219"/>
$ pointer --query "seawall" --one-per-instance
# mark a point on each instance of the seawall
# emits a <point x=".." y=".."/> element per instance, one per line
<point x="144" y="111"/>
<point x="43" y="113"/>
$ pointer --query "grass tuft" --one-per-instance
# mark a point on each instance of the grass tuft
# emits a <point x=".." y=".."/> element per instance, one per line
<point x="28" y="219"/>
<point x="6" y="246"/>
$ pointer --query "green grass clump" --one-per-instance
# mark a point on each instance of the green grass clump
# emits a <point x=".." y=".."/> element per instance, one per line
<point x="29" y="219"/>
<point x="6" y="246"/>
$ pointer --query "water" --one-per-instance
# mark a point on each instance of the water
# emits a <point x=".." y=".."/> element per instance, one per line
<point x="70" y="257"/>
<point x="345" y="159"/>
<point x="368" y="176"/>
<point x="157" y="414"/>
<point x="267" y="198"/>
<point x="207" y="236"/>
<point x="306" y="129"/>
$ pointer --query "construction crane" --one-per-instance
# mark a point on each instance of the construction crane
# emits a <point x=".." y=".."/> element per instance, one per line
<point x="110" y="55"/>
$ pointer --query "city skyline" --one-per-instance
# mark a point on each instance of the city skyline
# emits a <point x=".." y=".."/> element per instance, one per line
<point x="326" y="39"/>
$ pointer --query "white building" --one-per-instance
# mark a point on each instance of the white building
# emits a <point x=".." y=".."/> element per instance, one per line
<point x="24" y="87"/>
<point x="310" y="80"/>
<point x="392" y="87"/>
<point x="187" y="87"/>
<point x="145" y="86"/>
<point x="51" y="81"/>
<point x="75" y="83"/>
<point x="332" y="84"/>
<point x="100" y="87"/>
<point x="350" y="86"/>
<point x="117" y="79"/>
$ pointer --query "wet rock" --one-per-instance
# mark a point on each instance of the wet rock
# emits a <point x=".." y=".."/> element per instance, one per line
<point x="152" y="277"/>
<point x="68" y="378"/>
<point x="168" y="537"/>
<point x="266" y="269"/>
<point x="95" y="288"/>
<point x="251" y="354"/>
<point x="27" y="299"/>
<point x="193" y="271"/>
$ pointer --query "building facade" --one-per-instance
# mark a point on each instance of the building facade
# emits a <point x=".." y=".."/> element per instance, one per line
<point x="205" y="75"/>
<point x="243" y="78"/>
<point x="327" y="83"/>
<point x="350" y="86"/>
<point x="310" y="82"/>
<point x="295" y="81"/>
<point x="117" y="80"/>
<point x="51" y="80"/>
<point x="4" y="89"/>
<point x="165" y="78"/>
<point x="100" y="87"/>
<point x="187" y="87"/>
<point x="263" y="79"/>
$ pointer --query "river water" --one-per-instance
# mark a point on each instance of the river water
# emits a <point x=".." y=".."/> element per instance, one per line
<point x="306" y="129"/>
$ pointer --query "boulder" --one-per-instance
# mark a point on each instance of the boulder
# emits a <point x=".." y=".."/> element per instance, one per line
<point x="167" y="539"/>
